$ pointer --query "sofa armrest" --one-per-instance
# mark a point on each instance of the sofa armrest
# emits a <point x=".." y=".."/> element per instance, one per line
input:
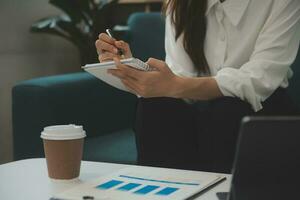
<point x="76" y="98"/>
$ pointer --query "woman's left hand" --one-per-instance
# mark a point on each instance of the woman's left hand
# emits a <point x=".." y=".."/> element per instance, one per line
<point x="159" y="83"/>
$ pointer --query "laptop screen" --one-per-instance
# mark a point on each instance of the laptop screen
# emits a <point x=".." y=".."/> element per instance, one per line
<point x="267" y="162"/>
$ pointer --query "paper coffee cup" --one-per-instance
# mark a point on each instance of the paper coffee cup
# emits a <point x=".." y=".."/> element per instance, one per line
<point x="63" y="146"/>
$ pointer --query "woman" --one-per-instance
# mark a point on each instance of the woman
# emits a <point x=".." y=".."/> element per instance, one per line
<point x="224" y="60"/>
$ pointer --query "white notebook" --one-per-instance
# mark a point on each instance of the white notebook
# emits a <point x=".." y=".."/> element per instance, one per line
<point x="99" y="70"/>
<point x="144" y="183"/>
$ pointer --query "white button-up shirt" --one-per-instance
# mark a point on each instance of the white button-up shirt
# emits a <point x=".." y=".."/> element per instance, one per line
<point x="249" y="46"/>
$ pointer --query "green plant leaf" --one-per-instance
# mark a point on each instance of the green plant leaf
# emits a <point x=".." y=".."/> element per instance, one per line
<point x="80" y="35"/>
<point x="62" y="26"/>
<point x="81" y="23"/>
<point x="48" y="25"/>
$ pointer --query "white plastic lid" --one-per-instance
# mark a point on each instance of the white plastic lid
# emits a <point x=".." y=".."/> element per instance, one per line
<point x="63" y="132"/>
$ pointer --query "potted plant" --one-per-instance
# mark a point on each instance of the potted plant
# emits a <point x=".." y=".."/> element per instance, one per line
<point x="80" y="24"/>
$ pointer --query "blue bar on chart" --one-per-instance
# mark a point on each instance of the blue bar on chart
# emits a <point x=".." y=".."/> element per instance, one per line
<point x="146" y="189"/>
<point x="109" y="184"/>
<point x="167" y="191"/>
<point x="129" y="186"/>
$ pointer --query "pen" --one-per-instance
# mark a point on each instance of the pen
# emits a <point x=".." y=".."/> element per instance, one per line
<point x="194" y="196"/>
<point x="109" y="32"/>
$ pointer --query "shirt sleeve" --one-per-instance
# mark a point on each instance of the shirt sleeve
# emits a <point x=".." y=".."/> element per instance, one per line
<point x="275" y="50"/>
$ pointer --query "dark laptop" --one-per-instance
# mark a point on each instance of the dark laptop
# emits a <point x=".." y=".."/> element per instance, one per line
<point x="267" y="161"/>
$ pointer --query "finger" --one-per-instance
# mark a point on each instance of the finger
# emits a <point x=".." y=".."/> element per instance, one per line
<point x="118" y="62"/>
<point x="104" y="46"/>
<point x="132" y="73"/>
<point x="158" y="64"/>
<point x="97" y="45"/>
<point x="130" y="90"/>
<point x="123" y="45"/>
<point x="105" y="59"/>
<point x="117" y="73"/>
<point x="132" y="86"/>
<point x="106" y="56"/>
<point x="106" y="38"/>
<point x="129" y="71"/>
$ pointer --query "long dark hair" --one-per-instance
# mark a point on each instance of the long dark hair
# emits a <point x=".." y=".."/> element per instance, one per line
<point x="188" y="18"/>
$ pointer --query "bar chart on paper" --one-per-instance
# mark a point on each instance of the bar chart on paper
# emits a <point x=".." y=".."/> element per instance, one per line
<point x="145" y="183"/>
<point x="150" y="186"/>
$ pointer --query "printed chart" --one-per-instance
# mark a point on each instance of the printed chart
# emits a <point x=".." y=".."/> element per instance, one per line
<point x="145" y="183"/>
<point x="134" y="187"/>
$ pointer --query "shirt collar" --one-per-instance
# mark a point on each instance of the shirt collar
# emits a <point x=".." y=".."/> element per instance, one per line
<point x="234" y="9"/>
<point x="210" y="4"/>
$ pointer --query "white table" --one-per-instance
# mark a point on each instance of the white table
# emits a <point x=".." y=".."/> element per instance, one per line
<point x="28" y="179"/>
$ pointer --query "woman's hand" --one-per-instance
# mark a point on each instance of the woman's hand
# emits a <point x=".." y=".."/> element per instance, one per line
<point x="159" y="83"/>
<point x="107" y="48"/>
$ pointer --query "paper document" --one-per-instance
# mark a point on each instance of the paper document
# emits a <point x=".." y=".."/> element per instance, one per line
<point x="99" y="70"/>
<point x="144" y="183"/>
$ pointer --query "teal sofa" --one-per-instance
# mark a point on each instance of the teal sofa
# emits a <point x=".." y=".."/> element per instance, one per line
<point x="107" y="114"/>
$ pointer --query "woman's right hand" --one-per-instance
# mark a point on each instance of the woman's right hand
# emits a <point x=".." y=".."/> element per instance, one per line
<point x="107" y="48"/>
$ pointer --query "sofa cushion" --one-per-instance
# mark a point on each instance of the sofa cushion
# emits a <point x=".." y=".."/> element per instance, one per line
<point x="117" y="147"/>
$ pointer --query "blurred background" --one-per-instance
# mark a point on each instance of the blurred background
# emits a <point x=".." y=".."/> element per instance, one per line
<point x="41" y="38"/>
